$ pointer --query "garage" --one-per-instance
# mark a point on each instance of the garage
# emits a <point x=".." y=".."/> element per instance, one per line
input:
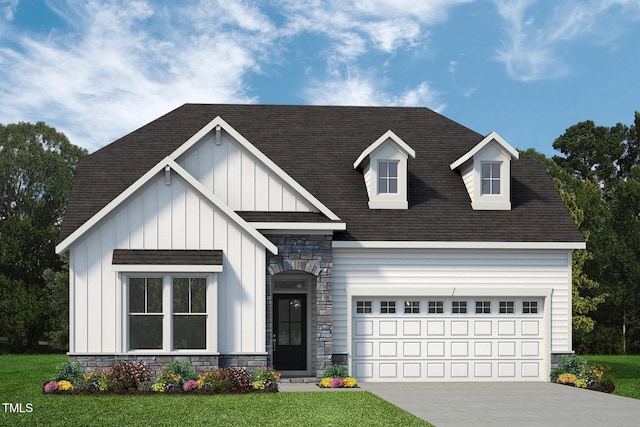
<point x="448" y="339"/>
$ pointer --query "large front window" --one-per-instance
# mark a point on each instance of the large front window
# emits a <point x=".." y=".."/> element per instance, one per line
<point x="145" y="313"/>
<point x="167" y="313"/>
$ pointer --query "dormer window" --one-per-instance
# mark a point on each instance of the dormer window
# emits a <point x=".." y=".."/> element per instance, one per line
<point x="387" y="177"/>
<point x="491" y="177"/>
<point x="384" y="165"/>
<point x="486" y="172"/>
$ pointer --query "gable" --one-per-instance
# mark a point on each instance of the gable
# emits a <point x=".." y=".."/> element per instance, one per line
<point x="315" y="146"/>
<point x="168" y="209"/>
<point x="239" y="178"/>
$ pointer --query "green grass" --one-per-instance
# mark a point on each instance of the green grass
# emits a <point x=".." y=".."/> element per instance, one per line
<point x="625" y="373"/>
<point x="22" y="377"/>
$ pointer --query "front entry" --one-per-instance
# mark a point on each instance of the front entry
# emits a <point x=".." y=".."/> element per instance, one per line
<point x="290" y="332"/>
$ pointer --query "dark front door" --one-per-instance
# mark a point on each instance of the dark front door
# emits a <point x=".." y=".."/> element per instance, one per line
<point x="290" y="332"/>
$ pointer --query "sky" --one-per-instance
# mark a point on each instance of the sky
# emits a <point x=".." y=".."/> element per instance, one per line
<point x="527" y="69"/>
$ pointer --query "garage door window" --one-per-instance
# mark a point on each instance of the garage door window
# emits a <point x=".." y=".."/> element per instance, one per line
<point x="363" y="306"/>
<point x="411" y="307"/>
<point x="483" y="307"/>
<point x="459" y="307"/>
<point x="436" y="307"/>
<point x="529" y="307"/>
<point x="387" y="307"/>
<point x="506" y="307"/>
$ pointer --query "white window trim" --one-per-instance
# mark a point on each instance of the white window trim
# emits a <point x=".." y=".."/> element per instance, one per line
<point x="167" y="313"/>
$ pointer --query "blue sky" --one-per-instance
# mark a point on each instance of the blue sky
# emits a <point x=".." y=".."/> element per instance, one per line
<point x="97" y="70"/>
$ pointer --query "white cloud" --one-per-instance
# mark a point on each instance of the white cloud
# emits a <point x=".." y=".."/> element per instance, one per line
<point x="122" y="63"/>
<point x="531" y="49"/>
<point x="355" y="89"/>
<point x="8" y="8"/>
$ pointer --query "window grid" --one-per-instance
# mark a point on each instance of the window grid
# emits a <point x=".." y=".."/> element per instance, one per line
<point x="490" y="178"/>
<point x="387" y="307"/>
<point x="530" y="307"/>
<point x="506" y="307"/>
<point x="458" y="307"/>
<point x="436" y="307"/>
<point x="483" y="307"/>
<point x="363" y="307"/>
<point x="411" y="307"/>
<point x="387" y="177"/>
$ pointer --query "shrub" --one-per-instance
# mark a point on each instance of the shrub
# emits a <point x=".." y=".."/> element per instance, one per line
<point x="72" y="372"/>
<point x="350" y="382"/>
<point x="128" y="375"/>
<point x="177" y="373"/>
<point x="575" y="365"/>
<point x="51" y="386"/>
<point x="226" y="380"/>
<point x="336" y="371"/>
<point x="265" y="379"/>
<point x="325" y="382"/>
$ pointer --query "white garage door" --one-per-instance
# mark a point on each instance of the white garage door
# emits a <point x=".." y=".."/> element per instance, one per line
<point x="448" y="339"/>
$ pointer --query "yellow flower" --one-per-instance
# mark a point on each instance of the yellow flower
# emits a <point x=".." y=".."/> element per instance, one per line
<point x="326" y="382"/>
<point x="65" y="385"/>
<point x="350" y="382"/>
<point x="567" y="379"/>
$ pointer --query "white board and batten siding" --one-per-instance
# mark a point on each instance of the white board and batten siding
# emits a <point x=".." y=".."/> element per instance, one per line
<point x="161" y="216"/>
<point x="450" y="347"/>
<point x="239" y="179"/>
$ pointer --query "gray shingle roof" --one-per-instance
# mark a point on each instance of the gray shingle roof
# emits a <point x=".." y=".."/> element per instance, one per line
<point x="166" y="257"/>
<point x="317" y="146"/>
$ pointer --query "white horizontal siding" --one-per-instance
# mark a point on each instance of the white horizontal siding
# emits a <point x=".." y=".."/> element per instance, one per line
<point x="161" y="216"/>
<point x="470" y="269"/>
<point x="239" y="179"/>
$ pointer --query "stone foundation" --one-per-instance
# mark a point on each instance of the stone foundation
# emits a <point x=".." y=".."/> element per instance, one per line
<point x="200" y="363"/>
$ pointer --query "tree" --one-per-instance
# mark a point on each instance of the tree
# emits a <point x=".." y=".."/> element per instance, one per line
<point x="37" y="165"/>
<point x="586" y="294"/>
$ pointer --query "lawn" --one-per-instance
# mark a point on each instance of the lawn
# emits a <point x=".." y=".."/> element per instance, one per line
<point x="625" y="372"/>
<point x="22" y="377"/>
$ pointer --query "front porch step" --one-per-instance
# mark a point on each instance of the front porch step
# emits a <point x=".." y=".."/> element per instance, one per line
<point x="299" y="380"/>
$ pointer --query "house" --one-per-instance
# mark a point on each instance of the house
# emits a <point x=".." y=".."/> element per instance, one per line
<point x="392" y="240"/>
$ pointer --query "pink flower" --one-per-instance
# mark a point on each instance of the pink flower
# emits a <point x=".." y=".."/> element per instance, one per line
<point x="190" y="385"/>
<point x="51" y="386"/>
<point x="337" y="383"/>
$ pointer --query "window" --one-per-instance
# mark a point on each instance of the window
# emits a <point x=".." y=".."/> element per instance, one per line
<point x="506" y="307"/>
<point x="189" y="313"/>
<point x="387" y="307"/>
<point x="387" y="177"/>
<point x="483" y="307"/>
<point x="436" y="307"/>
<point x="529" y="307"/>
<point x="167" y="312"/>
<point x="491" y="178"/>
<point x="145" y="313"/>
<point x="363" y="306"/>
<point x="411" y="307"/>
<point x="458" y="307"/>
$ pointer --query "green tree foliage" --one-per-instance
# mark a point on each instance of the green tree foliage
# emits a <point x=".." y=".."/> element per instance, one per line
<point x="37" y="165"/>
<point x="599" y="172"/>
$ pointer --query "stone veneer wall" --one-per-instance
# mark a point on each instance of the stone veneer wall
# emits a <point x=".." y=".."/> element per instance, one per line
<point x="311" y="254"/>
<point x="200" y="363"/>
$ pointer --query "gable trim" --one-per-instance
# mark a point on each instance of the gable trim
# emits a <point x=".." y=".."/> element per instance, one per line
<point x="378" y="142"/>
<point x="493" y="136"/>
<point x="456" y="245"/>
<point x="160" y="167"/>
<point x="219" y="123"/>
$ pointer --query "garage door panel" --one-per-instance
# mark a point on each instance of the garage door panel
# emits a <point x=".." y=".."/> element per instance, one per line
<point x="447" y="347"/>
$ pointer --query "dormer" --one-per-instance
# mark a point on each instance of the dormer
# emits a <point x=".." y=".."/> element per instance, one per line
<point x="486" y="172"/>
<point x="384" y="167"/>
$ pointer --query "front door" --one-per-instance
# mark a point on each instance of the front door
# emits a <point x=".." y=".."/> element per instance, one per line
<point x="290" y="332"/>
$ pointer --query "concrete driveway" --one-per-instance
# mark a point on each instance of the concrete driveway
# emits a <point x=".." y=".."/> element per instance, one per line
<point x="508" y="404"/>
